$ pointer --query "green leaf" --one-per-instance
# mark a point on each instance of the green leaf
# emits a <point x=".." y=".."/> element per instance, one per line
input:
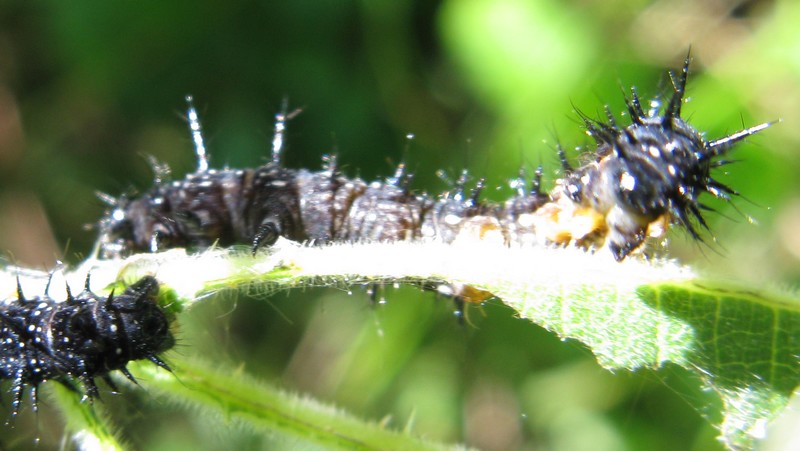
<point x="745" y="345"/>
<point x="742" y="344"/>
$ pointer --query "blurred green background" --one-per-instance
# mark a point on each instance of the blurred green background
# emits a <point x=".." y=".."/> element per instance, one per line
<point x="88" y="89"/>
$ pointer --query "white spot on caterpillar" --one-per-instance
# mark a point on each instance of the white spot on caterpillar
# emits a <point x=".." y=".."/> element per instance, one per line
<point x="627" y="181"/>
<point x="452" y="219"/>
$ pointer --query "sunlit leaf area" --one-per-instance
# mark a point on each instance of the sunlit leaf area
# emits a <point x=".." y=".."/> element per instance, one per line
<point x="90" y="91"/>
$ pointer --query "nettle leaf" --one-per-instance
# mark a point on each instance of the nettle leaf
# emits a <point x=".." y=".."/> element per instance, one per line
<point x="743" y="345"/>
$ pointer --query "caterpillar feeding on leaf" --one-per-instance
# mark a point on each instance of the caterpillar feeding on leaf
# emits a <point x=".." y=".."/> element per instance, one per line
<point x="643" y="177"/>
<point x="80" y="339"/>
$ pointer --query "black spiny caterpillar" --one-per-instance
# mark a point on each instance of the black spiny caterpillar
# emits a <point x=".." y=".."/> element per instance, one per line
<point x="643" y="177"/>
<point x="82" y="338"/>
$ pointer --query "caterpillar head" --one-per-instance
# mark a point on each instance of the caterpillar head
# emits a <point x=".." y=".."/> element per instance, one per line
<point x="113" y="331"/>
<point x="653" y="170"/>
